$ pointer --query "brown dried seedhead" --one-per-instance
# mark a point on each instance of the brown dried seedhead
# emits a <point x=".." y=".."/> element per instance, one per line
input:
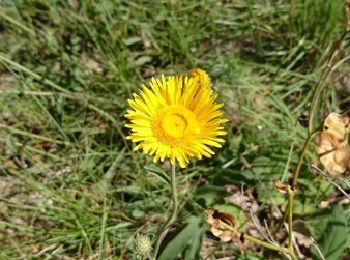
<point x="223" y="225"/>
<point x="332" y="144"/>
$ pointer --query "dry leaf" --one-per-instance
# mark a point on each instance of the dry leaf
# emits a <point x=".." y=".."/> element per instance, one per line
<point x="244" y="199"/>
<point x="337" y="126"/>
<point x="219" y="222"/>
<point x="9" y="164"/>
<point x="92" y="65"/>
<point x="332" y="144"/>
<point x="303" y="240"/>
<point x="281" y="187"/>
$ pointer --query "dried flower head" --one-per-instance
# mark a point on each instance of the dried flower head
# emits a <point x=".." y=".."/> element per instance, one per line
<point x="332" y="144"/>
<point x="143" y="245"/>
<point x="222" y="225"/>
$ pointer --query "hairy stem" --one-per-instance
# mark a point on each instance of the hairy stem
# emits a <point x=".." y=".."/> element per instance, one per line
<point x="301" y="159"/>
<point x="173" y="216"/>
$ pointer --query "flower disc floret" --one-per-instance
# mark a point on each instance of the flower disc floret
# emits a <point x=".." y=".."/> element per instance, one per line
<point x="175" y="126"/>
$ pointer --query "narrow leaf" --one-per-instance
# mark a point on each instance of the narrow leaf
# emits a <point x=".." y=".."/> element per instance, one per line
<point x="181" y="240"/>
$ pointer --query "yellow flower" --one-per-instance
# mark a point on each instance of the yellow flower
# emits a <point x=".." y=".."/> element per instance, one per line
<point x="176" y="118"/>
<point x="201" y="77"/>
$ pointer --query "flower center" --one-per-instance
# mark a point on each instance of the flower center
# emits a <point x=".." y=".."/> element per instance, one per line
<point x="173" y="125"/>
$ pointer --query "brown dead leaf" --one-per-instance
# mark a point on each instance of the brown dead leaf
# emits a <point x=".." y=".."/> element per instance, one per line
<point x="244" y="199"/>
<point x="6" y="186"/>
<point x="9" y="164"/>
<point x="337" y="126"/>
<point x="92" y="65"/>
<point x="281" y="187"/>
<point x="332" y="144"/>
<point x="220" y="223"/>
<point x="303" y="240"/>
<point x="341" y="80"/>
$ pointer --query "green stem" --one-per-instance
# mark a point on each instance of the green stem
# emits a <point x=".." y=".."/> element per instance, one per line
<point x="174" y="195"/>
<point x="338" y="48"/>
<point x="290" y="219"/>
<point x="270" y="246"/>
<point x="173" y="216"/>
<point x="263" y="243"/>
<point x="320" y="86"/>
<point x="17" y="23"/>
<point x="301" y="159"/>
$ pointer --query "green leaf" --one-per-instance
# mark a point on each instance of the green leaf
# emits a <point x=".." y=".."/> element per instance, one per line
<point x="267" y="169"/>
<point x="158" y="172"/>
<point x="132" y="189"/>
<point x="101" y="188"/>
<point x="331" y="233"/>
<point x="209" y="195"/>
<point x="267" y="193"/>
<point x="142" y="60"/>
<point x="230" y="176"/>
<point x="132" y="40"/>
<point x="310" y="194"/>
<point x="193" y="249"/>
<point x="182" y="239"/>
<point x="250" y="256"/>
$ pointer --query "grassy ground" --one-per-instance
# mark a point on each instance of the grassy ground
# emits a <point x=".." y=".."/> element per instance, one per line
<point x="70" y="185"/>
